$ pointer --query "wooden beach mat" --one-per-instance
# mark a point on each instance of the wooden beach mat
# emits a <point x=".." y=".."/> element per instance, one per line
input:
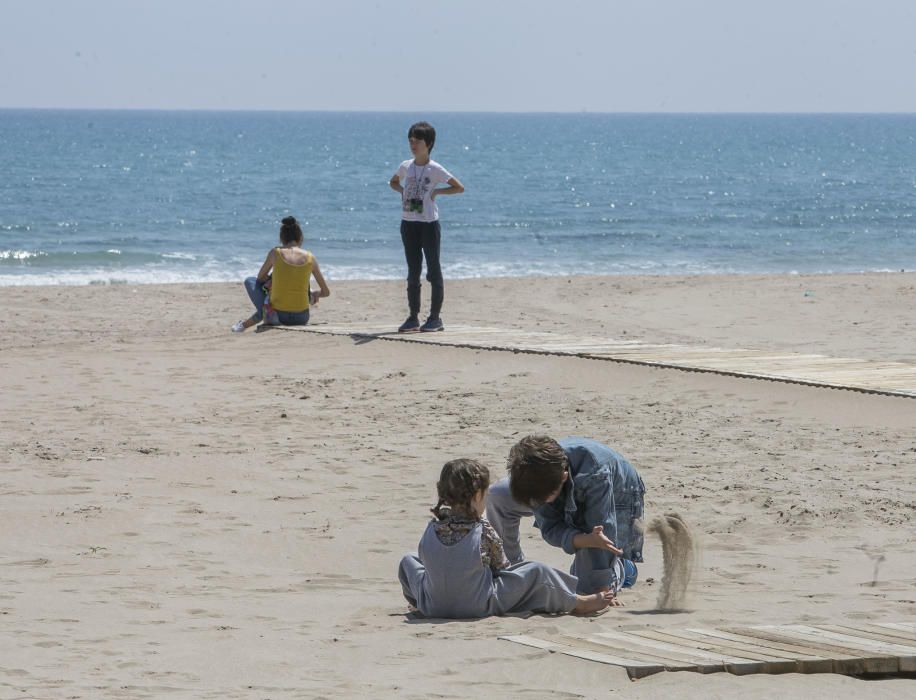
<point x="890" y="378"/>
<point x="859" y="649"/>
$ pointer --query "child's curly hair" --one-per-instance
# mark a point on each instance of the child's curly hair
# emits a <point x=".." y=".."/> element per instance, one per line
<point x="458" y="482"/>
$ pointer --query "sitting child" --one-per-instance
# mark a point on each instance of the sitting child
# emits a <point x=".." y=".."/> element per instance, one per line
<point x="462" y="570"/>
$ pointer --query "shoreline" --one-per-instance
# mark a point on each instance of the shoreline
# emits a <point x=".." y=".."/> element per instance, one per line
<point x="625" y="275"/>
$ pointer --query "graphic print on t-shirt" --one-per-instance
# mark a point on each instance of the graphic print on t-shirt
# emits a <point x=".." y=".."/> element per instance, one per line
<point x="415" y="192"/>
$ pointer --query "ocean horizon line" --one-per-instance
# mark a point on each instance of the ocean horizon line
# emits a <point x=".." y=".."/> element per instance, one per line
<point x="256" y="110"/>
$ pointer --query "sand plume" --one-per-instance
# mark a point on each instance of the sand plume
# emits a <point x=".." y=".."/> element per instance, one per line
<point x="678" y="555"/>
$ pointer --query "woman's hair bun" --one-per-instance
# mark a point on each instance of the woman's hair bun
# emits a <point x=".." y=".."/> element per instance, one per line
<point x="290" y="230"/>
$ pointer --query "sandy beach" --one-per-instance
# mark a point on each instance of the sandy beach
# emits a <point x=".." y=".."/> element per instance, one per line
<point x="190" y="513"/>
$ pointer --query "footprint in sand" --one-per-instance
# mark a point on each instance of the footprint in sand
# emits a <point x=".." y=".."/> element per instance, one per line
<point x="28" y="562"/>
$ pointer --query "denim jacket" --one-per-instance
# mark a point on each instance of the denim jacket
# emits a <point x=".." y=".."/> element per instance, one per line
<point x="602" y="489"/>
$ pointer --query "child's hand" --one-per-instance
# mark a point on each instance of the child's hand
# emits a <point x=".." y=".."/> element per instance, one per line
<point x="314" y="297"/>
<point x="598" y="540"/>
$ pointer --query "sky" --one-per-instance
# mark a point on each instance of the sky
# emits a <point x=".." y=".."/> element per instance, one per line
<point x="463" y="55"/>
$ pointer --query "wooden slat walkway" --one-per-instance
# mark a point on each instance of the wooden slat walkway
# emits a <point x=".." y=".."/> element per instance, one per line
<point x="863" y="648"/>
<point x="891" y="378"/>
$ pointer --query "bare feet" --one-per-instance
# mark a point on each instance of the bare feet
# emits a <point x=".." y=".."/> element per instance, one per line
<point x="586" y="604"/>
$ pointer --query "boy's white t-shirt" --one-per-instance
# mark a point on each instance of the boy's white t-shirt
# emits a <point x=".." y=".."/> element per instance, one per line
<point x="418" y="182"/>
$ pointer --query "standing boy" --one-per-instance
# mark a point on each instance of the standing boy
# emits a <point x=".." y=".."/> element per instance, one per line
<point x="417" y="180"/>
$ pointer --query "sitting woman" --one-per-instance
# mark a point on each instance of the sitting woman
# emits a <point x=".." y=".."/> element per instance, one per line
<point x="283" y="298"/>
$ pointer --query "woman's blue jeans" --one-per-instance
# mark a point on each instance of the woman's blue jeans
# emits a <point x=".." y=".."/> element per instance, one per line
<point x="281" y="318"/>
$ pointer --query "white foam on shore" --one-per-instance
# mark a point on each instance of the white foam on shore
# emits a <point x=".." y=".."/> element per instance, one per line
<point x="237" y="270"/>
<point x="127" y="276"/>
<point x="20" y="254"/>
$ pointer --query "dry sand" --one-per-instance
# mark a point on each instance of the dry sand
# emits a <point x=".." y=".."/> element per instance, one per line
<point x="189" y="513"/>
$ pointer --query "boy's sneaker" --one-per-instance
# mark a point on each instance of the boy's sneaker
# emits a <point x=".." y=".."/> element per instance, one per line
<point x="239" y="327"/>
<point x="432" y="325"/>
<point x="411" y="325"/>
<point x="623" y="574"/>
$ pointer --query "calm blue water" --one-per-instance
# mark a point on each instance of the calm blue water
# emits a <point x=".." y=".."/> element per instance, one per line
<point x="103" y="197"/>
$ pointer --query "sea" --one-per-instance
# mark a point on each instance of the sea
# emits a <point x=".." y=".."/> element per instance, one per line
<point x="115" y="197"/>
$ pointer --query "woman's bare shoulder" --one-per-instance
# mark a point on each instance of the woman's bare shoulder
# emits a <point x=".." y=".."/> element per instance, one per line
<point x="295" y="256"/>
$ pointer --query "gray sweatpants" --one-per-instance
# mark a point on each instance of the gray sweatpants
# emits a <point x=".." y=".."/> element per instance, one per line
<point x="451" y="581"/>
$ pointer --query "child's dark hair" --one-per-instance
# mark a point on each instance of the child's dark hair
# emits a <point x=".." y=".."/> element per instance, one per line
<point x="458" y="483"/>
<point x="536" y="465"/>
<point x="290" y="231"/>
<point x="424" y="131"/>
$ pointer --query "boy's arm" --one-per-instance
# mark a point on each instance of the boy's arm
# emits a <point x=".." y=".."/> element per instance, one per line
<point x="599" y="518"/>
<point x="395" y="183"/>
<point x="504" y="514"/>
<point x="550" y="521"/>
<point x="454" y="187"/>
<point x="598" y="515"/>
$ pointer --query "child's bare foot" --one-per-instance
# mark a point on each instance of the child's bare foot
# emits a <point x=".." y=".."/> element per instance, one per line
<point x="586" y="604"/>
<point x="613" y="601"/>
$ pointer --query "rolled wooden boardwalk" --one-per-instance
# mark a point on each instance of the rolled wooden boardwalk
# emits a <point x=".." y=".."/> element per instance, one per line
<point x="863" y="648"/>
<point x="891" y="378"/>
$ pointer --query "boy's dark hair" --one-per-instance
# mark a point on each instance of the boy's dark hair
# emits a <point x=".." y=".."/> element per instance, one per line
<point x="424" y="131"/>
<point x="290" y="231"/>
<point x="459" y="480"/>
<point x="536" y="465"/>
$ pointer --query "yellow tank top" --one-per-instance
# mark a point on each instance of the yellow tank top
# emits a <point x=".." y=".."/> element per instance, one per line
<point x="290" y="288"/>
